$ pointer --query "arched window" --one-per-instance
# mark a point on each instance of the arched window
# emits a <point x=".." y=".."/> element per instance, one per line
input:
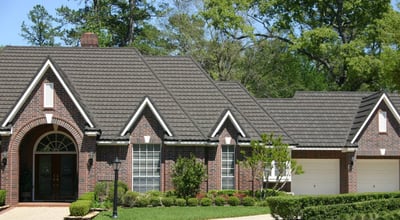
<point x="55" y="142"/>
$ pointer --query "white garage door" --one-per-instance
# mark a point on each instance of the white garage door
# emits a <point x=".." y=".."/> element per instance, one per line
<point x="377" y="175"/>
<point x="321" y="176"/>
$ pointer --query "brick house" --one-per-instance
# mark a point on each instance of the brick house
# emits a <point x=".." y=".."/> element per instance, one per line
<point x="67" y="113"/>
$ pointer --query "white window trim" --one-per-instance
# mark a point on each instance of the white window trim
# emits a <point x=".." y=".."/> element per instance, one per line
<point x="273" y="177"/>
<point x="222" y="168"/>
<point x="141" y="159"/>
<point x="382" y="121"/>
<point x="48" y="95"/>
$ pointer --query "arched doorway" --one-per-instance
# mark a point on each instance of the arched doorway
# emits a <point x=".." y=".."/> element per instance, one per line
<point x="54" y="168"/>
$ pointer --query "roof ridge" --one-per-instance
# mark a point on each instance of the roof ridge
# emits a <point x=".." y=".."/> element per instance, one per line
<point x="224" y="95"/>
<point x="169" y="92"/>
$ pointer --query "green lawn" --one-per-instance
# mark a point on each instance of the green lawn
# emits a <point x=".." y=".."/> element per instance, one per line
<point x="184" y="213"/>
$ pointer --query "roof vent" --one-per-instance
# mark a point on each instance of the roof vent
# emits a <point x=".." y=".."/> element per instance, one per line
<point x="89" y="39"/>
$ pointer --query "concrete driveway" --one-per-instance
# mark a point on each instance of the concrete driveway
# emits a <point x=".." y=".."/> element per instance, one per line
<point x="34" y="213"/>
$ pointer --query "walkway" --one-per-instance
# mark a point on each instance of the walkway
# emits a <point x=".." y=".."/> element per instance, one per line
<point x="42" y="212"/>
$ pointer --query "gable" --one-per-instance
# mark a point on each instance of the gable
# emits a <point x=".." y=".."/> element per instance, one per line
<point x="371" y="111"/>
<point x="136" y="116"/>
<point x="36" y="80"/>
<point x="228" y="116"/>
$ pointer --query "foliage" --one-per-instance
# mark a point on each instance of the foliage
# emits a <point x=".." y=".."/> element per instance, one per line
<point x="155" y="201"/>
<point x="2" y="197"/>
<point x="184" y="213"/>
<point x="101" y="190"/>
<point x="142" y="201"/>
<point x="233" y="201"/>
<point x="332" y="211"/>
<point x="265" y="152"/>
<point x="88" y="196"/>
<point x="291" y="207"/>
<point x="187" y="175"/>
<point x="80" y="207"/>
<point x="180" y="202"/>
<point x="206" y="202"/>
<point x="41" y="32"/>
<point x="167" y="201"/>
<point x="192" y="202"/>
<point x="121" y="190"/>
<point x="248" y="201"/>
<point x="220" y="201"/>
<point x="129" y="198"/>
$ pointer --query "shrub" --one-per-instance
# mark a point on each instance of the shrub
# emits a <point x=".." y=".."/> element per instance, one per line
<point x="154" y="193"/>
<point x="180" y="202"/>
<point x="248" y="201"/>
<point x="80" y="207"/>
<point x="142" y="201"/>
<point x="332" y="211"/>
<point x="205" y="202"/>
<point x="100" y="190"/>
<point x="129" y="198"/>
<point x="121" y="192"/>
<point x="170" y="193"/>
<point x="233" y="201"/>
<point x="220" y="201"/>
<point x="187" y="175"/>
<point x="192" y="202"/>
<point x="155" y="201"/>
<point x="2" y="197"/>
<point x="168" y="201"/>
<point x="87" y="196"/>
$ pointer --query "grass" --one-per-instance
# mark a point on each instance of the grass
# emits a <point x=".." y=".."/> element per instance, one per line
<point x="184" y="213"/>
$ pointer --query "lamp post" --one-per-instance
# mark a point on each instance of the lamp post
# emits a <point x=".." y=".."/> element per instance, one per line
<point x="116" y="165"/>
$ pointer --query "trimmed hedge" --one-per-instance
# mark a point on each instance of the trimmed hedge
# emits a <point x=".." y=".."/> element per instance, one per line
<point x="192" y="202"/>
<point x="80" y="207"/>
<point x="248" y="201"/>
<point x="333" y="211"/>
<point x="2" y="197"/>
<point x="233" y="201"/>
<point x="220" y="201"/>
<point x="205" y="202"/>
<point x="291" y="207"/>
<point x="88" y="196"/>
<point x="180" y="202"/>
<point x="168" y="201"/>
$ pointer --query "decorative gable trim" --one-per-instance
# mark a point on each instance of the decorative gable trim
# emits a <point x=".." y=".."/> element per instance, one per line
<point x="229" y="115"/>
<point x="48" y="64"/>
<point x="391" y="107"/>
<point x="135" y="117"/>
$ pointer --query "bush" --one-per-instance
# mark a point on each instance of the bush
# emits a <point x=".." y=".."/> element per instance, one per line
<point x="187" y="175"/>
<point x="100" y="191"/>
<point x="248" y="201"/>
<point x="142" y="201"/>
<point x="154" y="193"/>
<point x="87" y="196"/>
<point x="80" y="207"/>
<point x="167" y="201"/>
<point x="129" y="198"/>
<point x="205" y="202"/>
<point x="2" y="197"/>
<point x="180" y="202"/>
<point x="121" y="192"/>
<point x="233" y="201"/>
<point x="332" y="211"/>
<point x="192" y="202"/>
<point x="155" y="201"/>
<point x="220" y="201"/>
<point x="291" y="207"/>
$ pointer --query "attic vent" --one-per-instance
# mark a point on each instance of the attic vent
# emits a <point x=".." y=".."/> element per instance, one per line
<point x="89" y="39"/>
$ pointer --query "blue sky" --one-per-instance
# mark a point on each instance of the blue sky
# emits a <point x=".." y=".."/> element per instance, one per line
<point x="14" y="12"/>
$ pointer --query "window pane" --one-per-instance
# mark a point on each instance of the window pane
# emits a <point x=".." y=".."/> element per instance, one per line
<point x="148" y="159"/>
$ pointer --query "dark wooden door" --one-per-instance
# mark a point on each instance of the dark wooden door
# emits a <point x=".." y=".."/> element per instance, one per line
<point x="55" y="177"/>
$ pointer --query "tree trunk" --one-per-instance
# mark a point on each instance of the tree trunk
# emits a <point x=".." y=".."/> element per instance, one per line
<point x="131" y="29"/>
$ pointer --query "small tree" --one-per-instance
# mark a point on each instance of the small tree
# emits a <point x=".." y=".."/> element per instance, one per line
<point x="270" y="150"/>
<point x="187" y="175"/>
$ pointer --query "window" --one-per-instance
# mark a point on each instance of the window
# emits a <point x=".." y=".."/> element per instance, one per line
<point x="48" y="99"/>
<point x="382" y="122"/>
<point x="278" y="172"/>
<point x="146" y="167"/>
<point x="228" y="167"/>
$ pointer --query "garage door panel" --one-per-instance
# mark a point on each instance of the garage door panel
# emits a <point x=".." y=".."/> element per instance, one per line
<point x="377" y="175"/>
<point x="321" y="176"/>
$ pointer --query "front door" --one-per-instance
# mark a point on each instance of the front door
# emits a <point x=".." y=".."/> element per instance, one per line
<point x="55" y="177"/>
<point x="55" y="169"/>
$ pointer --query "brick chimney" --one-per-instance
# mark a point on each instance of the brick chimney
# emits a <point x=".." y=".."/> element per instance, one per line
<point x="89" y="39"/>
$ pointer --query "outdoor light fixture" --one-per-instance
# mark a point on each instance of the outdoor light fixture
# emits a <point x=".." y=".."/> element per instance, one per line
<point x="228" y="140"/>
<point x="351" y="163"/>
<point x="116" y="165"/>
<point x="90" y="160"/>
<point x="4" y="159"/>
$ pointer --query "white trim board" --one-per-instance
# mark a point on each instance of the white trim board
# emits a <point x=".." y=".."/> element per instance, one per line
<point x="137" y="114"/>
<point x="389" y="105"/>
<point x="229" y="115"/>
<point x="48" y="64"/>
